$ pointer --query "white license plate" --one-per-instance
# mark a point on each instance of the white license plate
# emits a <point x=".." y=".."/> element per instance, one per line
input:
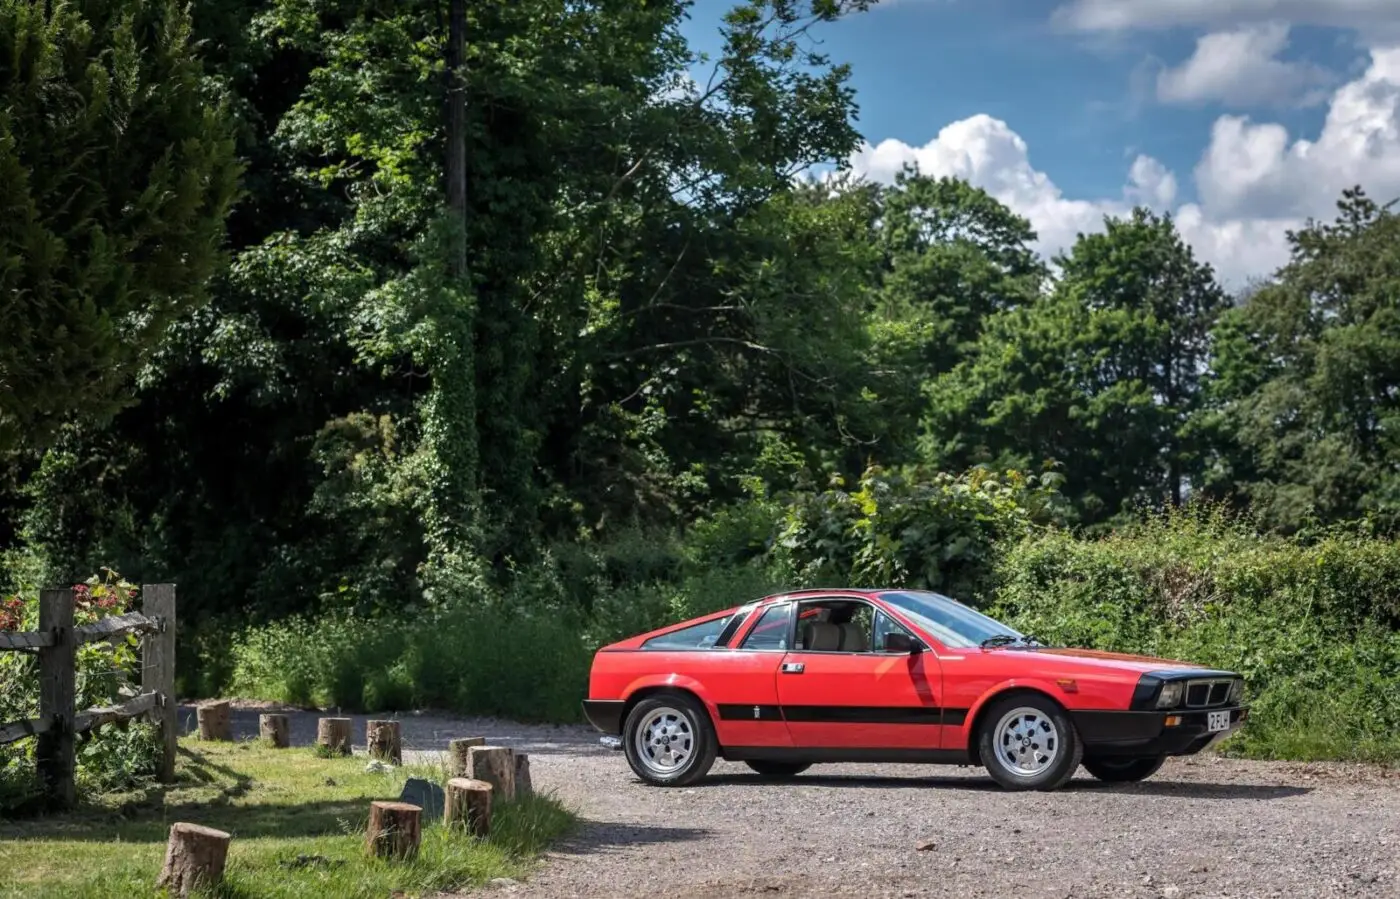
<point x="1217" y="721"/>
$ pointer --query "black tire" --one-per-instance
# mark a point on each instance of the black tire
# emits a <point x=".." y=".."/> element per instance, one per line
<point x="779" y="770"/>
<point x="1064" y="740"/>
<point x="689" y="726"/>
<point x="1124" y="770"/>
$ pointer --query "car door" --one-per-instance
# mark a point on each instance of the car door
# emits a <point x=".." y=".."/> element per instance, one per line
<point x="846" y="691"/>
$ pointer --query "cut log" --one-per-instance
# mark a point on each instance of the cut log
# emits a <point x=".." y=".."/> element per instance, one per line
<point x="214" y="721"/>
<point x="194" y="859"/>
<point x="523" y="786"/>
<point x="496" y="766"/>
<point x="276" y="730"/>
<point x="469" y="806"/>
<point x="457" y="755"/>
<point x="333" y="734"/>
<point x="385" y="742"/>
<point x="394" y="829"/>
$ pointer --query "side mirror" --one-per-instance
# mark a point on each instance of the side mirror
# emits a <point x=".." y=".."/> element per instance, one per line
<point x="897" y="641"/>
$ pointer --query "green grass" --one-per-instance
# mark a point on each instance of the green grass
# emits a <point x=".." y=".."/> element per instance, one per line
<point x="278" y="805"/>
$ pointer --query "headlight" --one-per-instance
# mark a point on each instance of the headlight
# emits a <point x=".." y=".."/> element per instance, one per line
<point x="1170" y="697"/>
<point x="1236" y="691"/>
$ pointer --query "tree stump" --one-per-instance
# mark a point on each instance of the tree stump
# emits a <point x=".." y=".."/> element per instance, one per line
<point x="334" y="734"/>
<point x="469" y="805"/>
<point x="496" y="766"/>
<point x="213" y="720"/>
<point x="384" y="740"/>
<point x="276" y="729"/>
<point x="458" y="756"/>
<point x="523" y="785"/>
<point x="394" y="829"/>
<point x="194" y="858"/>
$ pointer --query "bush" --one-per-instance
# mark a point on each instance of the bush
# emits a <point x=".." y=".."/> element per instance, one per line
<point x="1311" y="626"/>
<point x="915" y="529"/>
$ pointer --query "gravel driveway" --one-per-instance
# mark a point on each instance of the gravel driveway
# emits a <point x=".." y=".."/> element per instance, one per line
<point x="1202" y="827"/>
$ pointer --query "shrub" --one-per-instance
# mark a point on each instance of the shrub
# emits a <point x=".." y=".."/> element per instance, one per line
<point x="1311" y="626"/>
<point x="914" y="528"/>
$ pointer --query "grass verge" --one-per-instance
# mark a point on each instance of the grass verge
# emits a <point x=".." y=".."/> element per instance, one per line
<point x="297" y="822"/>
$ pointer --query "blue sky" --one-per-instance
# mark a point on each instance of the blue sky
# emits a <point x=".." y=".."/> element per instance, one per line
<point x="1071" y="109"/>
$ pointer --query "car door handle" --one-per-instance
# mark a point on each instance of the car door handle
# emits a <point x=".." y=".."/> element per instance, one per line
<point x="793" y="668"/>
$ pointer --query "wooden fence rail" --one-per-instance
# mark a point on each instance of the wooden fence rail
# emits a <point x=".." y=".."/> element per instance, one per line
<point x="56" y="642"/>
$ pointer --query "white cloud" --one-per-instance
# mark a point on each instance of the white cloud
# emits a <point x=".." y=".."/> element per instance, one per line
<point x="1241" y="68"/>
<point x="1253" y="182"/>
<point x="1121" y="15"/>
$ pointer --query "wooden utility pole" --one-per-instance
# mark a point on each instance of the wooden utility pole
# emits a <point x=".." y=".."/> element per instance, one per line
<point x="457" y="135"/>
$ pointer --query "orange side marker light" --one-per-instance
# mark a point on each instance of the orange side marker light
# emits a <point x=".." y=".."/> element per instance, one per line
<point x="1069" y="685"/>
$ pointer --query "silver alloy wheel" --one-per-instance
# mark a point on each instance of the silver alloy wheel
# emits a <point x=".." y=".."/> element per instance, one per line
<point x="664" y="741"/>
<point x="1026" y="741"/>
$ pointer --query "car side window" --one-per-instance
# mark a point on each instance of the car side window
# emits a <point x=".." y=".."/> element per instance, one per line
<point x="697" y="636"/>
<point x="771" y="631"/>
<point x="884" y="625"/>
<point x="835" y="625"/>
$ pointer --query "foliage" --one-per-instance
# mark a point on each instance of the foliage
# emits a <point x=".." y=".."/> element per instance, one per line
<point x="914" y="528"/>
<point x="114" y="847"/>
<point x="106" y="672"/>
<point x="1303" y="405"/>
<point x="1311" y="626"/>
<point x="117" y="170"/>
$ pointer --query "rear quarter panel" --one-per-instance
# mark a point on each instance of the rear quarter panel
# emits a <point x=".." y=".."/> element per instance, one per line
<point x="724" y="680"/>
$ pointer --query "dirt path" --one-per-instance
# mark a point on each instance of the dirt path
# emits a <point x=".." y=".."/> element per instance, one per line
<point x="1199" y="828"/>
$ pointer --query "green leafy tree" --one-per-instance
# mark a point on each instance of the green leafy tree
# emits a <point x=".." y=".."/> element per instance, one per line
<point x="1304" y="399"/>
<point x="1101" y="377"/>
<point x="117" y="170"/>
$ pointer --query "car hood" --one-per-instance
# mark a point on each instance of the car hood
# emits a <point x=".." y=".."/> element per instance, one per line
<point x="1119" y="661"/>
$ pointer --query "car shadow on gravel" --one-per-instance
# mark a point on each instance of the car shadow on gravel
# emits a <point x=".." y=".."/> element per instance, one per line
<point x="1164" y="788"/>
<point x="604" y="836"/>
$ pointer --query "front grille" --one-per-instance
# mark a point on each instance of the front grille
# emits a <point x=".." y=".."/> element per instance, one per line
<point x="1204" y="694"/>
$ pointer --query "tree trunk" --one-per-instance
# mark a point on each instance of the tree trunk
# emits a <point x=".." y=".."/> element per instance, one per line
<point x="213" y="720"/>
<point x="385" y="741"/>
<point x="459" y="755"/>
<point x="469" y="805"/>
<point x="334" y="734"/>
<point x="194" y="858"/>
<point x="275" y="729"/>
<point x="496" y="766"/>
<point x="523" y="785"/>
<point x="394" y="830"/>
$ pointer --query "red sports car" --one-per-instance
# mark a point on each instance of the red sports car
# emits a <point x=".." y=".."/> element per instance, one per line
<point x="895" y="676"/>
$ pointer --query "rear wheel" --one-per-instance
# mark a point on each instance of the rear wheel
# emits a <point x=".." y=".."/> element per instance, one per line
<point x="1027" y="742"/>
<point x="779" y="769"/>
<point x="1124" y="770"/>
<point x="669" y="741"/>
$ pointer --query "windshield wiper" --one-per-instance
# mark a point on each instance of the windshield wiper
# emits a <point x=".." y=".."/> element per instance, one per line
<point x="1032" y="640"/>
<point x="998" y="640"/>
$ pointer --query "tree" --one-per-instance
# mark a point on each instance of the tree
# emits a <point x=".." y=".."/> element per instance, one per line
<point x="1304" y="394"/>
<point x="1101" y="377"/>
<point x="117" y="170"/>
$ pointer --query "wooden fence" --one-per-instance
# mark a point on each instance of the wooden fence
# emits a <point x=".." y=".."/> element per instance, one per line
<point x="56" y="642"/>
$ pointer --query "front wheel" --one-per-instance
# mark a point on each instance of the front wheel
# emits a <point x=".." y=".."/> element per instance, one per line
<point x="1027" y="742"/>
<point x="1120" y="771"/>
<point x="669" y="741"/>
<point x="782" y="770"/>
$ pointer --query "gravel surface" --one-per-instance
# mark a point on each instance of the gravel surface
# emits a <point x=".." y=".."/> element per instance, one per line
<point x="1203" y="827"/>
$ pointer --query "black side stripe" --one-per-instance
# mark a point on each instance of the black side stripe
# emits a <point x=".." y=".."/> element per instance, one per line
<point x="844" y="714"/>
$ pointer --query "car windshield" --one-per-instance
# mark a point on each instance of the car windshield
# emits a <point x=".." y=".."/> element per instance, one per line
<point x="947" y="620"/>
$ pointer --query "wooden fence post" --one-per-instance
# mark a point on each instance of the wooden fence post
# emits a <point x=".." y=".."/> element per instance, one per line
<point x="158" y="668"/>
<point x="55" y="753"/>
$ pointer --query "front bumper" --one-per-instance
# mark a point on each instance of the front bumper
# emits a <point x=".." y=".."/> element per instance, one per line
<point x="604" y="714"/>
<point x="1150" y="733"/>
